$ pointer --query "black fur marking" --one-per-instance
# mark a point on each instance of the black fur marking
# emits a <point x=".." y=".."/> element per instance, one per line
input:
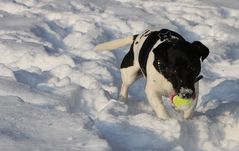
<point x="146" y="48"/>
<point x="129" y="57"/>
<point x="139" y="73"/>
<point x="161" y="53"/>
<point x="146" y="33"/>
<point x="201" y="49"/>
<point x="164" y="34"/>
<point x="135" y="36"/>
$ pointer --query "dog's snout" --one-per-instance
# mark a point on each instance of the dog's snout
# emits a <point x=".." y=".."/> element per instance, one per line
<point x="186" y="93"/>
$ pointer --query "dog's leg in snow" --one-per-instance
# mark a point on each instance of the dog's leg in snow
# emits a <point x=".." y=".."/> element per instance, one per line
<point x="156" y="87"/>
<point x="189" y="113"/>
<point x="130" y="72"/>
<point x="156" y="103"/>
<point x="129" y="76"/>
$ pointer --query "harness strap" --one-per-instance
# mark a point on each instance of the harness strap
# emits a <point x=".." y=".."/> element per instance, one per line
<point x="165" y="34"/>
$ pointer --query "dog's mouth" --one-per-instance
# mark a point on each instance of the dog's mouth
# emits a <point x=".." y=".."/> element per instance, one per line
<point x="192" y="96"/>
<point x="172" y="95"/>
<point x="174" y="101"/>
<point x="182" y="93"/>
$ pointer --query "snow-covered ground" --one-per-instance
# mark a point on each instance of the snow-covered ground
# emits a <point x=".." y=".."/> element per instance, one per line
<point x="53" y="87"/>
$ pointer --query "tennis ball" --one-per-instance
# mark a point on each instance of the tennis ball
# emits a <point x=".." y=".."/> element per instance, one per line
<point x="181" y="103"/>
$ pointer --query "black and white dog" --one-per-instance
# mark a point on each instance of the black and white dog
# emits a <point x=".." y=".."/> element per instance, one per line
<point x="169" y="63"/>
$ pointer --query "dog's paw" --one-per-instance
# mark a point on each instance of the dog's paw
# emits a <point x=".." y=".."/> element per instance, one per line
<point x="122" y="99"/>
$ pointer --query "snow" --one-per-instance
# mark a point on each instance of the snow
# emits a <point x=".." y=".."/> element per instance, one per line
<point x="25" y="127"/>
<point x="57" y="94"/>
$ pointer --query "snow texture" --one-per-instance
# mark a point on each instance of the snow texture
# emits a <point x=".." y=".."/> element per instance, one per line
<point x="57" y="94"/>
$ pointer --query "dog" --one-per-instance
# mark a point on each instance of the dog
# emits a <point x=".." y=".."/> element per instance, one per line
<point x="169" y="63"/>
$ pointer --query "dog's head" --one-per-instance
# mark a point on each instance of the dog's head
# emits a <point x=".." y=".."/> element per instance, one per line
<point x="180" y="64"/>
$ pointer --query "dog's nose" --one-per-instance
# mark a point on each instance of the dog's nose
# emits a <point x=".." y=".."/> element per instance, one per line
<point x="186" y="93"/>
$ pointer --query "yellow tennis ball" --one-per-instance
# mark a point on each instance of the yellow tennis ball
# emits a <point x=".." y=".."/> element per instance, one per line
<point x="181" y="103"/>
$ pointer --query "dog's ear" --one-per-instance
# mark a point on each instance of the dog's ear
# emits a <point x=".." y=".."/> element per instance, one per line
<point x="161" y="52"/>
<point x="201" y="49"/>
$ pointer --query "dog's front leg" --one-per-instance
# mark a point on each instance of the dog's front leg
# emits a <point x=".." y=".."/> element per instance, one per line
<point x="123" y="96"/>
<point x="188" y="113"/>
<point x="157" y="104"/>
